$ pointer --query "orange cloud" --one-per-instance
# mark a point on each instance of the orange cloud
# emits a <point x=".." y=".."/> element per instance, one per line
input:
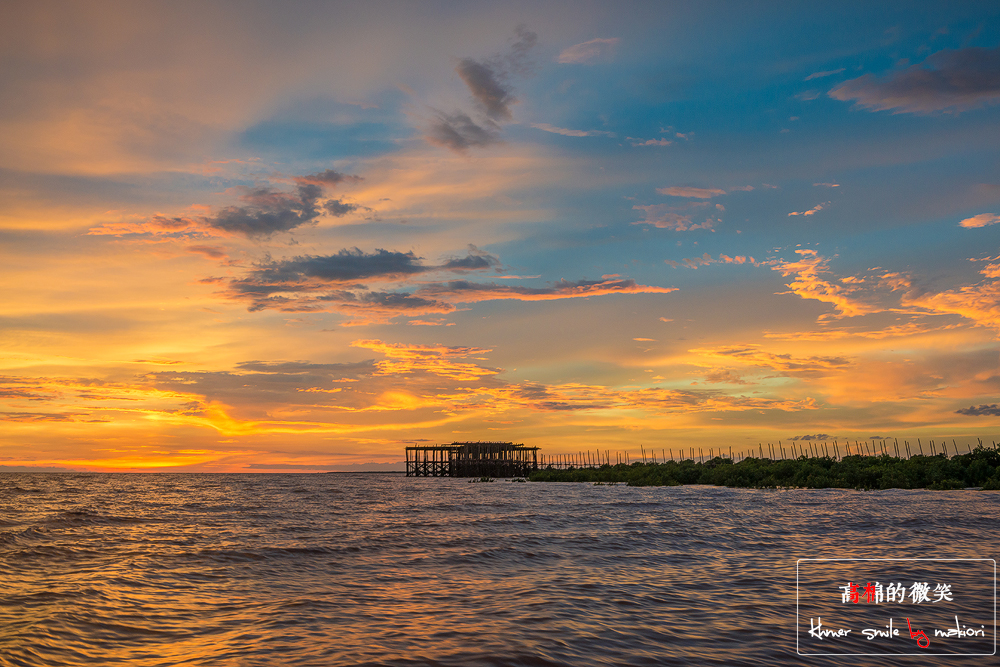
<point x="404" y="359"/>
<point x="981" y="220"/>
<point x="979" y="303"/>
<point x="813" y="211"/>
<point x="808" y="283"/>
<point x="786" y="364"/>
<point x="893" y="331"/>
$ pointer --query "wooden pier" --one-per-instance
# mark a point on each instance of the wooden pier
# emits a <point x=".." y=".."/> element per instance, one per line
<point x="471" y="459"/>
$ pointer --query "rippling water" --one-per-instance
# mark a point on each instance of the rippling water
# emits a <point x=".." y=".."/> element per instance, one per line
<point x="380" y="569"/>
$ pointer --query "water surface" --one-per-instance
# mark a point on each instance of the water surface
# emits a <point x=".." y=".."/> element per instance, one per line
<point x="380" y="569"/>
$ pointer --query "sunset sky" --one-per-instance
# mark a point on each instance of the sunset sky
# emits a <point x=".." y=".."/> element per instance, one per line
<point x="300" y="236"/>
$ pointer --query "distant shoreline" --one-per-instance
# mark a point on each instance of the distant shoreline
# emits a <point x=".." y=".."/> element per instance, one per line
<point x="978" y="469"/>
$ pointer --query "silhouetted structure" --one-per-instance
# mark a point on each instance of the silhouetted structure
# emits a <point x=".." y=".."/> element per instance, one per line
<point x="471" y="459"/>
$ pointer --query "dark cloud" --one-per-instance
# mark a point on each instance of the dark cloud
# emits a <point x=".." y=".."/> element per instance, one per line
<point x="471" y="263"/>
<point x="264" y="211"/>
<point x="489" y="83"/>
<point x="518" y="59"/>
<point x="459" y="132"/>
<point x="338" y="208"/>
<point x="476" y="260"/>
<point x="466" y="291"/>
<point x="818" y="436"/>
<point x="472" y="290"/>
<point x="29" y="417"/>
<point x="381" y="305"/>
<point x="311" y="283"/>
<point x="539" y="397"/>
<point x="327" y="178"/>
<point x="488" y="80"/>
<point x="494" y="97"/>
<point x="981" y="411"/>
<point x="346" y="266"/>
<point x="400" y="301"/>
<point x="950" y="80"/>
<point x="269" y="211"/>
<point x="291" y="298"/>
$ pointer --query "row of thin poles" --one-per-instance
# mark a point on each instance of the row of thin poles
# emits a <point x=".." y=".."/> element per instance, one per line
<point x="794" y="450"/>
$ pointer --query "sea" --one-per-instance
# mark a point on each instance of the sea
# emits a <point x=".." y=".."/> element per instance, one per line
<point x="380" y="569"/>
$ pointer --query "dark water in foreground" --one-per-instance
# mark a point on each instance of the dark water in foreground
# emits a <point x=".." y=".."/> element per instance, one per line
<point x="378" y="569"/>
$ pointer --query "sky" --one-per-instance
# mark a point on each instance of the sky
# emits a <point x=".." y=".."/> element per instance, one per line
<point x="301" y="236"/>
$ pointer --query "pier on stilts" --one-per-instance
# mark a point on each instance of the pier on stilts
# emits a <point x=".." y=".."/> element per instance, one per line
<point x="505" y="459"/>
<point x="471" y="459"/>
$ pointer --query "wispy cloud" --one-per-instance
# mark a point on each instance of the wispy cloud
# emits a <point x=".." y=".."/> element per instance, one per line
<point x="484" y="83"/>
<point x="265" y="210"/>
<point x="692" y="192"/>
<point x="441" y="360"/>
<point x="209" y="252"/>
<point x="648" y="142"/>
<point x="430" y="323"/>
<point x="785" y="364"/>
<point x="571" y="133"/>
<point x="489" y="83"/>
<point x="813" y="211"/>
<point x="458" y="132"/>
<point x="461" y="291"/>
<point x="587" y="53"/>
<point x="668" y="217"/>
<point x="820" y="75"/>
<point x="916" y="328"/>
<point x="949" y="80"/>
<point x="706" y="259"/>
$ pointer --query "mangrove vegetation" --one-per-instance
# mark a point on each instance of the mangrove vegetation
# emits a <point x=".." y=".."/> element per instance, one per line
<point x="978" y="468"/>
